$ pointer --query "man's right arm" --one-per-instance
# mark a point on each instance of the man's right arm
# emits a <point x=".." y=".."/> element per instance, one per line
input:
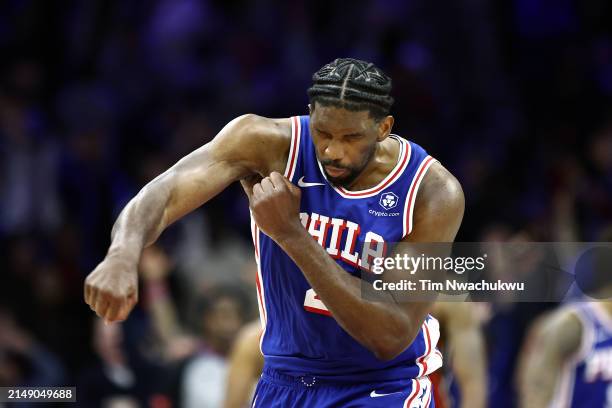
<point x="551" y="342"/>
<point x="467" y="350"/>
<point x="249" y="145"/>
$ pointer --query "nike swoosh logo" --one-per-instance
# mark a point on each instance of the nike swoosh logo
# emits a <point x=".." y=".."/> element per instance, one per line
<point x="374" y="394"/>
<point x="302" y="183"/>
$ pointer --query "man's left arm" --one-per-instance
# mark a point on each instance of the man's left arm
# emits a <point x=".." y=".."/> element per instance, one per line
<point x="385" y="326"/>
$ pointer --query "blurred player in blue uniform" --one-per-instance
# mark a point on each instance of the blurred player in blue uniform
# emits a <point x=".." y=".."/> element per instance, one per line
<point x="569" y="363"/>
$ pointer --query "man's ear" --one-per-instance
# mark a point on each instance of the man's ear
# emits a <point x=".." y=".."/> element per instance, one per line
<point x="310" y="109"/>
<point x="385" y="126"/>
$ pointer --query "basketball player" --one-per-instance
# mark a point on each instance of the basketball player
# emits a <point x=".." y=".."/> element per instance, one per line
<point x="569" y="362"/>
<point x="340" y="177"/>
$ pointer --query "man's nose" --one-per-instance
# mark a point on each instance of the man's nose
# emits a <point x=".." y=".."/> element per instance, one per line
<point x="334" y="151"/>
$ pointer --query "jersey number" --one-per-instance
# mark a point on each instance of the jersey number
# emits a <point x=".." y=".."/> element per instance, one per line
<point x="313" y="304"/>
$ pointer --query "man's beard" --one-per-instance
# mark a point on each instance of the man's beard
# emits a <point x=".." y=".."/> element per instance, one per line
<point x="344" y="181"/>
<point x="353" y="172"/>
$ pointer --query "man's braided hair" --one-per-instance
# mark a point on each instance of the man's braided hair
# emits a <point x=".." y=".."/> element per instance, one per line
<point x="354" y="85"/>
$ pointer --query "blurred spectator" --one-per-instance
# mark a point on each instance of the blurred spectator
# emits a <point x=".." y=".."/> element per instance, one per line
<point x="223" y="314"/>
<point x="23" y="361"/>
<point x="29" y="170"/>
<point x="200" y="362"/>
<point x="507" y="322"/>
<point x="120" y="375"/>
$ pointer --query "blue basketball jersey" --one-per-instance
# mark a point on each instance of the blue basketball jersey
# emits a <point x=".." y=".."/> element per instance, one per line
<point x="300" y="336"/>
<point x="586" y="378"/>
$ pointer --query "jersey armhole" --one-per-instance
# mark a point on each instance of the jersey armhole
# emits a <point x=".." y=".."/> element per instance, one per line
<point x="294" y="148"/>
<point x="412" y="194"/>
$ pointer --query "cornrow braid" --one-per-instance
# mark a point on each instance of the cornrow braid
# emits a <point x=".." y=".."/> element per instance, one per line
<point x="354" y="85"/>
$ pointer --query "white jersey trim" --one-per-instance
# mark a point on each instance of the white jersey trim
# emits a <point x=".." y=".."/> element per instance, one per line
<point x="403" y="159"/>
<point x="259" y="286"/>
<point x="294" y="148"/>
<point x="413" y="400"/>
<point x="412" y="194"/>
<point x="431" y="359"/>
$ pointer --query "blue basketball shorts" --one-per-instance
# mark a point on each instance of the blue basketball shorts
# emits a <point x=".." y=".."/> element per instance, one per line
<point x="279" y="390"/>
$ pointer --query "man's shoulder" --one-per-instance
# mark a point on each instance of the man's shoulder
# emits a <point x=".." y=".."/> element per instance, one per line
<point x="561" y="329"/>
<point x="263" y="143"/>
<point x="264" y="130"/>
<point x="439" y="206"/>
<point x="440" y="188"/>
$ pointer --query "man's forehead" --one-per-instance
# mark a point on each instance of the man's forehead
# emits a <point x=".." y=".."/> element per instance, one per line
<point x="340" y="120"/>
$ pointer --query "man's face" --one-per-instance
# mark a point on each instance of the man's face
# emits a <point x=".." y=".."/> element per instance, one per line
<point x="223" y="320"/>
<point x="345" y="141"/>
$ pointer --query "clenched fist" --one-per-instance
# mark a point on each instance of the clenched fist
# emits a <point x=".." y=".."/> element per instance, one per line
<point x="275" y="205"/>
<point x="111" y="290"/>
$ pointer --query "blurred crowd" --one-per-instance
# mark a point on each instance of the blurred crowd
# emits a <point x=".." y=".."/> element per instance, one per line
<point x="98" y="97"/>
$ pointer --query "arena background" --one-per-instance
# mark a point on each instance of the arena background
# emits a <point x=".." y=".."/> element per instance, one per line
<point x="98" y="97"/>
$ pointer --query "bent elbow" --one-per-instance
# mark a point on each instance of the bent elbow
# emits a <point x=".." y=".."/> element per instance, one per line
<point x="392" y="348"/>
<point x="388" y="353"/>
